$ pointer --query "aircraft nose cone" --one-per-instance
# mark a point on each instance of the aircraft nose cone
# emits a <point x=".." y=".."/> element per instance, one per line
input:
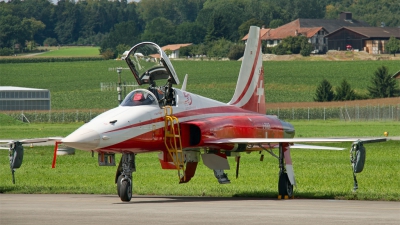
<point x="84" y="139"/>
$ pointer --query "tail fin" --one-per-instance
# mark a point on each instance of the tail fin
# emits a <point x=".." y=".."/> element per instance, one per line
<point x="249" y="92"/>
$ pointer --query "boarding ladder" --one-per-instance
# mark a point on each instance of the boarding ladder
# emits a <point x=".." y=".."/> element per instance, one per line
<point x="173" y="141"/>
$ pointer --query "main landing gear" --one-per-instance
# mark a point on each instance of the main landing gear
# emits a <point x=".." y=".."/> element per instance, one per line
<point x="285" y="187"/>
<point x="124" y="176"/>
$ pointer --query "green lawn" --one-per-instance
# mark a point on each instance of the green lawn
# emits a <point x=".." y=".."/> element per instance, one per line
<point x="319" y="174"/>
<point x="71" y="52"/>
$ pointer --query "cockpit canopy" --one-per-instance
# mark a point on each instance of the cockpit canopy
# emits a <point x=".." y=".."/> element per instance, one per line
<point x="148" y="62"/>
<point x="140" y="97"/>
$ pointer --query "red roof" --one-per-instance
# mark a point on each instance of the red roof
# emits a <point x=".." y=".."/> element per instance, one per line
<point x="175" y="46"/>
<point x="290" y="29"/>
<point x="263" y="31"/>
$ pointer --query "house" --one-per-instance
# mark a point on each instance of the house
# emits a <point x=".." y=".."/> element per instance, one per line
<point x="174" y="49"/>
<point x="369" y="39"/>
<point x="314" y="29"/>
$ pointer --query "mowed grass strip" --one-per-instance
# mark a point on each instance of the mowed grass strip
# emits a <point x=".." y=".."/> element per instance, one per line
<point x="319" y="174"/>
<point x="84" y="51"/>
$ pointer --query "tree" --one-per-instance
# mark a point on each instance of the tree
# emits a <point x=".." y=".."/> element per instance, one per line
<point x="344" y="92"/>
<point x="244" y="27"/>
<point x="382" y="84"/>
<point x="122" y="33"/>
<point x="190" y="33"/>
<point x="324" y="92"/>
<point x="276" y="23"/>
<point x="160" y="31"/>
<point x="393" y="45"/>
<point x="31" y="27"/>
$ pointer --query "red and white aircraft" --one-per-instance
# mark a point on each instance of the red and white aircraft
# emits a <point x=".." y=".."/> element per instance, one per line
<point x="183" y="126"/>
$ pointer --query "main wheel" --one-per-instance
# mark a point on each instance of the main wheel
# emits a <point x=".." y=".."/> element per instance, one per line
<point x="119" y="184"/>
<point x="125" y="191"/>
<point x="284" y="186"/>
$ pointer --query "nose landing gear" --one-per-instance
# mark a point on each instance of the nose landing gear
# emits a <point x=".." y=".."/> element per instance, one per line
<point x="124" y="176"/>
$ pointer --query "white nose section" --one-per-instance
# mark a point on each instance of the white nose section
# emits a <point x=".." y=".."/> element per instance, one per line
<point x="83" y="139"/>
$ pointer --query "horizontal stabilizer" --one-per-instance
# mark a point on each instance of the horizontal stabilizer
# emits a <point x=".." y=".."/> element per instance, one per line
<point x="291" y="140"/>
<point x="299" y="146"/>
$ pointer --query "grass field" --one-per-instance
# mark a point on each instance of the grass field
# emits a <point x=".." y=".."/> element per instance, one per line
<point x="319" y="174"/>
<point x="84" y="51"/>
<point x="75" y="84"/>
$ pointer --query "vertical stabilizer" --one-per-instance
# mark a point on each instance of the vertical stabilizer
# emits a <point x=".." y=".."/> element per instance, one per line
<point x="249" y="92"/>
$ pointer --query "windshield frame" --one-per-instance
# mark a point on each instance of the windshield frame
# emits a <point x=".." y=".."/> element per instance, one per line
<point x="149" y="99"/>
<point x="133" y="62"/>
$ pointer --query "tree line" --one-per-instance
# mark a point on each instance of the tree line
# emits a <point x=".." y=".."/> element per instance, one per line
<point x="212" y="25"/>
<point x="382" y="86"/>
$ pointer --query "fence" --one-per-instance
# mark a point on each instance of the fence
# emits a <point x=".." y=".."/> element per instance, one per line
<point x="54" y="116"/>
<point x="345" y="113"/>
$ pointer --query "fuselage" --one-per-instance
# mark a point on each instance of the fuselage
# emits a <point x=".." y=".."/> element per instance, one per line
<point x="140" y="128"/>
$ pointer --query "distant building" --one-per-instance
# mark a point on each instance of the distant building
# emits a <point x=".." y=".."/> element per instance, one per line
<point x="20" y="98"/>
<point x="369" y="39"/>
<point x="174" y="49"/>
<point x="314" y="29"/>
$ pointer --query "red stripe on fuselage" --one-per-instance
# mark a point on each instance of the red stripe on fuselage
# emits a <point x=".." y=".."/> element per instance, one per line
<point x="180" y="115"/>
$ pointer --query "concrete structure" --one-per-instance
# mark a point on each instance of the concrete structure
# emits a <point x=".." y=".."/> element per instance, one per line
<point x="21" y="98"/>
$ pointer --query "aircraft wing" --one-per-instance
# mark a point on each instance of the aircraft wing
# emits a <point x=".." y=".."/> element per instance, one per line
<point x="29" y="141"/>
<point x="295" y="140"/>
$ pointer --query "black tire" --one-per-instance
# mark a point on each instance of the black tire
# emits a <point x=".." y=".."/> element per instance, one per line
<point x="284" y="186"/>
<point x="125" y="191"/>
<point x="119" y="185"/>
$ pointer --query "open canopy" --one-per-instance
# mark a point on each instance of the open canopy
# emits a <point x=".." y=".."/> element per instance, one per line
<point x="148" y="62"/>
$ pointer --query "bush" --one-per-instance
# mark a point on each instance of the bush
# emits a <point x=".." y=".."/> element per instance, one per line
<point x="236" y="52"/>
<point x="108" y="54"/>
<point x="306" y="49"/>
<point x="50" y="42"/>
<point x="219" y="48"/>
<point x="6" y="51"/>
<point x="186" y="51"/>
<point x="279" y="50"/>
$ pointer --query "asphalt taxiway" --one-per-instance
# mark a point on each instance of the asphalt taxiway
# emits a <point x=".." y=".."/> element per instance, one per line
<point x="108" y="209"/>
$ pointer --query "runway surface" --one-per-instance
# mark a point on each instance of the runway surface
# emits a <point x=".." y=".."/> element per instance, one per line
<point x="108" y="209"/>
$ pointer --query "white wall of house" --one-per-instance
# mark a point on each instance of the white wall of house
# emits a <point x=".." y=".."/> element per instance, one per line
<point x="272" y="43"/>
<point x="174" y="54"/>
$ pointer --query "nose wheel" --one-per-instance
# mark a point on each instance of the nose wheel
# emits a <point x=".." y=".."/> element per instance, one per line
<point x="124" y="176"/>
<point x="125" y="190"/>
